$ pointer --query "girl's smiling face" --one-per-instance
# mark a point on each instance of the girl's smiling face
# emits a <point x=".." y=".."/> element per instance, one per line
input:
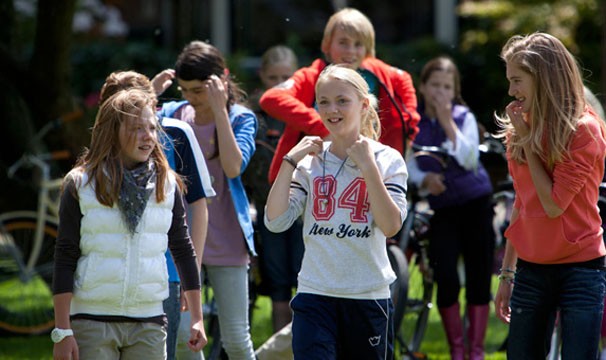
<point x="340" y="108"/>
<point x="521" y="86"/>
<point x="138" y="137"/>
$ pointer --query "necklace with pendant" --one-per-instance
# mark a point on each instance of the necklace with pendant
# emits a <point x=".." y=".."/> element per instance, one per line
<point x="326" y="189"/>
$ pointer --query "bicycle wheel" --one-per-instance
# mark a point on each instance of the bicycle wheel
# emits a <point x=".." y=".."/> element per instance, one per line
<point x="26" y="305"/>
<point x="399" y="287"/>
<point x="418" y="303"/>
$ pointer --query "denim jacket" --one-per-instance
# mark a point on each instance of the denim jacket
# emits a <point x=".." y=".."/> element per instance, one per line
<point x="244" y="124"/>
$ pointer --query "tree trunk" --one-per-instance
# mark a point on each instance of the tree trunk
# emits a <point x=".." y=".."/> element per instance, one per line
<point x="50" y="63"/>
<point x="32" y="92"/>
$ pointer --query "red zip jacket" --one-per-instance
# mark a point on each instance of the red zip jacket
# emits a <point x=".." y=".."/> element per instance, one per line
<point x="576" y="235"/>
<point x="292" y="102"/>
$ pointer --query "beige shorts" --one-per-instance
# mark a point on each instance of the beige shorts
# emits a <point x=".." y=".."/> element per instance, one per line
<point x="119" y="340"/>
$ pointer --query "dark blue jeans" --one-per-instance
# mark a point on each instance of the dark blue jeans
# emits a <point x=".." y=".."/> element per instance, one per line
<point x="542" y="290"/>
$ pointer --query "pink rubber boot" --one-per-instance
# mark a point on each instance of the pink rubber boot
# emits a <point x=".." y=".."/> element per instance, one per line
<point x="478" y="320"/>
<point x="453" y="327"/>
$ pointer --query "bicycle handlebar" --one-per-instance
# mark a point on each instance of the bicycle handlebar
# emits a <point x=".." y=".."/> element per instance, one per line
<point x="430" y="149"/>
<point x="37" y="160"/>
<point x="435" y="152"/>
<point x="67" y="117"/>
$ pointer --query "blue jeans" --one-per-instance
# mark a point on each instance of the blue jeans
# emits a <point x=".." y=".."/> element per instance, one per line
<point x="172" y="308"/>
<point x="542" y="290"/>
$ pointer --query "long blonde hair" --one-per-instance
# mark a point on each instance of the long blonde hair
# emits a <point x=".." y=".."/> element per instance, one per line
<point x="370" y="124"/>
<point x="558" y="101"/>
<point x="102" y="160"/>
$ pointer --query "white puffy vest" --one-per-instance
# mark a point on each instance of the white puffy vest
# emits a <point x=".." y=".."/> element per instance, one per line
<point x="119" y="274"/>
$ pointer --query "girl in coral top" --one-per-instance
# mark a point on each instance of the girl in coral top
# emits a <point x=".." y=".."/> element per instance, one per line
<point x="554" y="260"/>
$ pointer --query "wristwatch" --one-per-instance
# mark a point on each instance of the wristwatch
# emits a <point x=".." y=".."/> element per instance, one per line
<point x="59" y="334"/>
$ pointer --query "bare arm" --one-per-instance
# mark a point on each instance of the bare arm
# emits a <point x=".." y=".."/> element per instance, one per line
<point x="162" y="81"/>
<point x="197" y="338"/>
<point x="229" y="152"/>
<point x="503" y="296"/>
<point x="66" y="348"/>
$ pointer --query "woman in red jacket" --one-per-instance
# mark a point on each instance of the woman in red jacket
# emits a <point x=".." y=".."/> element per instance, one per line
<point x="349" y="38"/>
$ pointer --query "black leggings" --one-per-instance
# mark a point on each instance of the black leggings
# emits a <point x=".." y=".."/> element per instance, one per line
<point x="463" y="230"/>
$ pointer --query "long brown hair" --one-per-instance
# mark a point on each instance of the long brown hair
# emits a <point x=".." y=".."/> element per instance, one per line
<point x="102" y="160"/>
<point x="558" y="102"/>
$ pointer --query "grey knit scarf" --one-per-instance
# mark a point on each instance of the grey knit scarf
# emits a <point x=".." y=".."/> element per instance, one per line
<point x="137" y="186"/>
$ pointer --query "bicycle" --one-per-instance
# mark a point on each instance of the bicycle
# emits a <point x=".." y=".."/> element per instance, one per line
<point x="27" y="243"/>
<point x="412" y="292"/>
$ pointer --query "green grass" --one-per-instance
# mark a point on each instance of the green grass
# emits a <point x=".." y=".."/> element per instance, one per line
<point x="29" y="303"/>
<point x="434" y="344"/>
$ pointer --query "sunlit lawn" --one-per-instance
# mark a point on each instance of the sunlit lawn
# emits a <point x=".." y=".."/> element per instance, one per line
<point x="26" y="304"/>
<point x="434" y="345"/>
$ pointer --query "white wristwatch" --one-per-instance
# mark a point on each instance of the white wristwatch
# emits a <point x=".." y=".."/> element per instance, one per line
<point x="59" y="334"/>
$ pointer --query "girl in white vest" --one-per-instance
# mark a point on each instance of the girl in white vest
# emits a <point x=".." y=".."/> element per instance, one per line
<point x="352" y="194"/>
<point x="121" y="208"/>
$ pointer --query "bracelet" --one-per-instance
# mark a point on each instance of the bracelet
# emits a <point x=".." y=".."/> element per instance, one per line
<point x="290" y="160"/>
<point x="507" y="278"/>
<point x="507" y="270"/>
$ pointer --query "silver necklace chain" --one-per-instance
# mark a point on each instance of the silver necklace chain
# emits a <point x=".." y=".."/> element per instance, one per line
<point x="325" y="195"/>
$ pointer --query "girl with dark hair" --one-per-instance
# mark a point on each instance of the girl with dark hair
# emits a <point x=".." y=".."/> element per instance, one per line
<point x="459" y="193"/>
<point x="226" y="134"/>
